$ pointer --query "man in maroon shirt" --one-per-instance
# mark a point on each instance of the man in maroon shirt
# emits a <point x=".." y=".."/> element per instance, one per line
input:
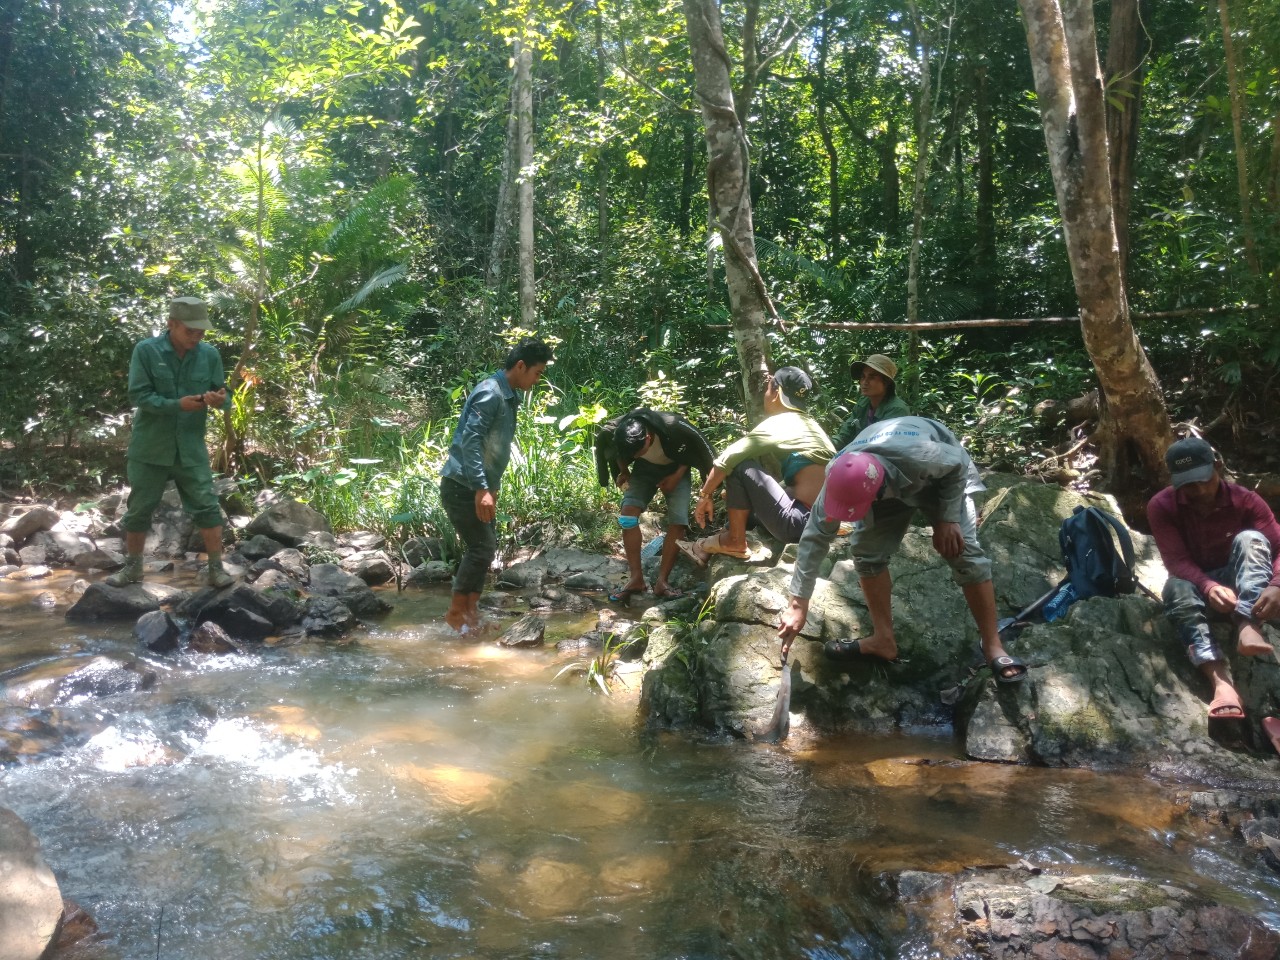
<point x="1221" y="545"/>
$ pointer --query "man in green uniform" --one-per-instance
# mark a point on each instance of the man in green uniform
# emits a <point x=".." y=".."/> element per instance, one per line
<point x="174" y="379"/>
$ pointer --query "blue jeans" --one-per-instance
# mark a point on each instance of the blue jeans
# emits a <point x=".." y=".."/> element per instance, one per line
<point x="479" y="539"/>
<point x="1247" y="572"/>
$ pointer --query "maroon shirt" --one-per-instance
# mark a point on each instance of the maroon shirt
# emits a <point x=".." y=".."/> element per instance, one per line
<point x="1191" y="544"/>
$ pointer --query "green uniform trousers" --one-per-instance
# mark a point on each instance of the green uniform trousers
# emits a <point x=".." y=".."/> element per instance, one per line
<point x="146" y="487"/>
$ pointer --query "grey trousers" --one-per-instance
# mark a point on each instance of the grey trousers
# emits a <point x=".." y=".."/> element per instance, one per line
<point x="479" y="539"/>
<point x="750" y="487"/>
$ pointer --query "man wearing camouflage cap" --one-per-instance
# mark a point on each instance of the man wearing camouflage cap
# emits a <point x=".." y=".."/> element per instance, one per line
<point x="174" y="379"/>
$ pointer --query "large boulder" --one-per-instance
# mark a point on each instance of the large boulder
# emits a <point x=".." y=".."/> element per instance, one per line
<point x="1110" y="684"/>
<point x="1025" y="914"/>
<point x="372" y="566"/>
<point x="21" y="526"/>
<point x="289" y="521"/>
<point x="30" y="901"/>
<point x="101" y="601"/>
<point x="157" y="631"/>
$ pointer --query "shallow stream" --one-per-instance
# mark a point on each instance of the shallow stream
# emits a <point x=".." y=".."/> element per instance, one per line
<point x="410" y="795"/>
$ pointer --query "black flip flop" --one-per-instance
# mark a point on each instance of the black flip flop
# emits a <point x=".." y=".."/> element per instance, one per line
<point x="852" y="650"/>
<point x="999" y="665"/>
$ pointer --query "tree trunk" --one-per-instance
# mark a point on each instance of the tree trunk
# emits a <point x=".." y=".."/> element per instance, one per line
<point x="524" y="110"/>
<point x="1124" y="107"/>
<point x="985" y="239"/>
<point x="828" y="143"/>
<point x="686" y="178"/>
<point x="1237" y="131"/>
<point x="890" y="182"/>
<point x="728" y="188"/>
<point x="1135" y="429"/>
<point x="502" y="212"/>
<point x="924" y="118"/>
<point x="602" y="162"/>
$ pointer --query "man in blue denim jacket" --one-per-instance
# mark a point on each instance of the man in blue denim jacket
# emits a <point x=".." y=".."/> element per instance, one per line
<point x="478" y="456"/>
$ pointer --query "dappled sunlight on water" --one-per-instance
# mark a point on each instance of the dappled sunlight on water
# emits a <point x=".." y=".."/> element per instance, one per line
<point x="416" y="794"/>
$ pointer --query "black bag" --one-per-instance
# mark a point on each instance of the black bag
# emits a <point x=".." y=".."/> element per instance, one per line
<point x="1095" y="568"/>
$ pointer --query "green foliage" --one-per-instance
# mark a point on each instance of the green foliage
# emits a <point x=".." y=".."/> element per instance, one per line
<point x="599" y="671"/>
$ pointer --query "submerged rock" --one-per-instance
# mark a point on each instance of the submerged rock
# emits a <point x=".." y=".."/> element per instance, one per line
<point x="211" y="638"/>
<point x="529" y="631"/>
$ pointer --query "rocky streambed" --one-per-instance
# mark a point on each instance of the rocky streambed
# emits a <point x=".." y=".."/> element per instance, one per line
<point x="1089" y="812"/>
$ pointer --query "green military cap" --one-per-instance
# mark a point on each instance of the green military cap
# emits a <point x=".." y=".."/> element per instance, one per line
<point x="190" y="312"/>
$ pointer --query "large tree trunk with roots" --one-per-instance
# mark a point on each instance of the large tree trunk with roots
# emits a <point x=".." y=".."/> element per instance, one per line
<point x="1135" y="429"/>
<point x="729" y="191"/>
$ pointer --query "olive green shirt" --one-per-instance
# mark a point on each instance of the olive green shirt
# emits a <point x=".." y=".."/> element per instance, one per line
<point x="163" y="433"/>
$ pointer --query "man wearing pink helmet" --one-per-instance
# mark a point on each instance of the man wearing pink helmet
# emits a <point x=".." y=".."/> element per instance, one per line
<point x="879" y="480"/>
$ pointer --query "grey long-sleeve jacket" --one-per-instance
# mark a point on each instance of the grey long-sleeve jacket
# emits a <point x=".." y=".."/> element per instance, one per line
<point x="924" y="464"/>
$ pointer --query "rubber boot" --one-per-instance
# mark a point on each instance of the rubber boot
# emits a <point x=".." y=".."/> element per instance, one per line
<point x="215" y="575"/>
<point x="131" y="572"/>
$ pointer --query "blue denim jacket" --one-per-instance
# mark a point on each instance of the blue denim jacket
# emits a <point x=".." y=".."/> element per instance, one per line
<point x="481" y="444"/>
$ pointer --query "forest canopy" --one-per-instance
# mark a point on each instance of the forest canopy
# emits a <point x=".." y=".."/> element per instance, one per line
<point x="338" y="180"/>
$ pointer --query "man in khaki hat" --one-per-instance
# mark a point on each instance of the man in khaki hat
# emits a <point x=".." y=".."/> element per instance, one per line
<point x="174" y="379"/>
<point x="880" y="400"/>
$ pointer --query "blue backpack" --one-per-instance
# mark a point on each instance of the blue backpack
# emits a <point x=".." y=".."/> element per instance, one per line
<point x="1095" y="568"/>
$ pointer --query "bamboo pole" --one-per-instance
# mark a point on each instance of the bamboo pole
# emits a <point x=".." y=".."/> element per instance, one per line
<point x="1014" y="322"/>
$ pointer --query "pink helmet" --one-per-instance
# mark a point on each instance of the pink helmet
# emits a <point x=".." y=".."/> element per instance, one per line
<point x="853" y="480"/>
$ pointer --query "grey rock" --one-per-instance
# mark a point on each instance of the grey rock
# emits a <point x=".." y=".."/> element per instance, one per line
<point x="363" y="540"/>
<point x="273" y="579"/>
<point x="1010" y="913"/>
<point x="44" y="600"/>
<point x="288" y="561"/>
<point x="243" y="625"/>
<point x="327" y="617"/>
<point x="559" y="563"/>
<point x="586" y="580"/>
<point x="418" y="550"/>
<point x="529" y="631"/>
<point x="259" y="547"/>
<point x="7" y="569"/>
<point x="210" y="638"/>
<point x="10" y="557"/>
<point x="560" y="600"/>
<point x="371" y="566"/>
<point x="329" y="580"/>
<point x="30" y="901"/>
<point x="21" y="526"/>
<point x="229" y="607"/>
<point x="100" y="601"/>
<point x="34" y="554"/>
<point x="34" y="572"/>
<point x="432" y="571"/>
<point x="5" y="541"/>
<point x="99" y="559"/>
<point x="157" y="631"/>
<point x="289" y="522"/>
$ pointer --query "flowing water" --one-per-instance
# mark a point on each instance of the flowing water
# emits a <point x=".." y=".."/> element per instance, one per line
<point x="410" y="795"/>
